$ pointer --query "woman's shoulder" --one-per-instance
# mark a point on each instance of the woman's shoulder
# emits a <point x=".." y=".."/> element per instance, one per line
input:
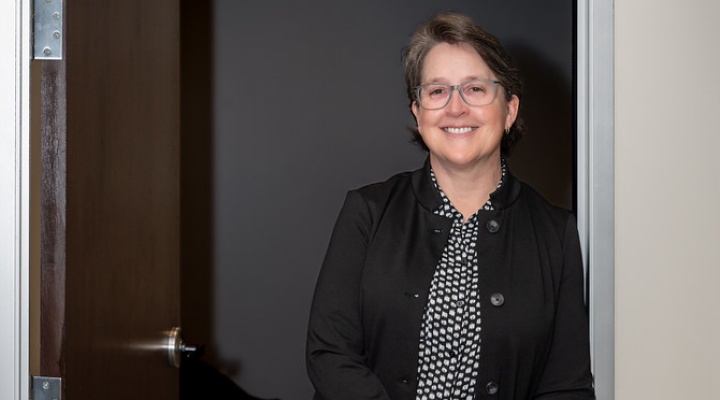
<point x="368" y="204"/>
<point x="379" y="191"/>
<point x="373" y="200"/>
<point x="532" y="196"/>
<point x="542" y="209"/>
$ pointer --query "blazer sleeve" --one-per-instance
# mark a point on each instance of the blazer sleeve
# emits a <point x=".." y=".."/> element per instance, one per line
<point x="334" y="350"/>
<point x="567" y="373"/>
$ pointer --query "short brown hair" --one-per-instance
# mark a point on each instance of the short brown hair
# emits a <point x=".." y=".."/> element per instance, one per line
<point x="456" y="28"/>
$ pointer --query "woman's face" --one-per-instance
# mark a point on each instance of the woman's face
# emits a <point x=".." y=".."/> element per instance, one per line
<point x="460" y="135"/>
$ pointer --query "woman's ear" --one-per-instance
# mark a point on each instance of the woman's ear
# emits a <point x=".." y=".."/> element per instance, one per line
<point x="513" y="105"/>
<point x="416" y="112"/>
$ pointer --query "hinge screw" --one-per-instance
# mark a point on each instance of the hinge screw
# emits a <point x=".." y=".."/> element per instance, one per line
<point x="56" y="34"/>
<point x="46" y="385"/>
<point x="56" y="15"/>
<point x="47" y="51"/>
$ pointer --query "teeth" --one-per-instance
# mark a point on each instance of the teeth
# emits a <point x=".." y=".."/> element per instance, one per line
<point x="458" y="130"/>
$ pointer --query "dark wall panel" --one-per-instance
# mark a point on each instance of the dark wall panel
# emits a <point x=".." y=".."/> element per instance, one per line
<point x="308" y="101"/>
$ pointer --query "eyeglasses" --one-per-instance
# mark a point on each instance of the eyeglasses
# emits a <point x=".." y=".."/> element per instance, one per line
<point x="434" y="96"/>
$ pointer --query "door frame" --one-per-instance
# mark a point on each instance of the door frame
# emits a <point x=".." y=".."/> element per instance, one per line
<point x="595" y="187"/>
<point x="595" y="181"/>
<point x="14" y="201"/>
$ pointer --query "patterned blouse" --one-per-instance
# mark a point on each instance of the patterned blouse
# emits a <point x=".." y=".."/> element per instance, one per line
<point x="450" y="333"/>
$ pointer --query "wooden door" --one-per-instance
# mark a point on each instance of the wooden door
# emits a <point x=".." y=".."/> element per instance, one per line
<point x="110" y="200"/>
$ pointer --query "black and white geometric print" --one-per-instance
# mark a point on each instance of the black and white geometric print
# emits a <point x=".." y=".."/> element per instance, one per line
<point x="449" y="353"/>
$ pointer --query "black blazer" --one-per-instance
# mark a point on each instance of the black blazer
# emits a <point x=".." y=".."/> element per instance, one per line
<point x="364" y="328"/>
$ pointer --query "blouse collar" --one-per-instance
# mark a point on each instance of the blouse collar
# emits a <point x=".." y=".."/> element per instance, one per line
<point x="430" y="199"/>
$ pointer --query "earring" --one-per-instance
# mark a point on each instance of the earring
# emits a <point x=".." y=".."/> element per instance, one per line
<point x="507" y="130"/>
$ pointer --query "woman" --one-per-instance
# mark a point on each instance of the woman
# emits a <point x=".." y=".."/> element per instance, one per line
<point x="455" y="281"/>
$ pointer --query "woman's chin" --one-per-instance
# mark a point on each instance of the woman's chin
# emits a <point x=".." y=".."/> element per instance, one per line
<point x="465" y="159"/>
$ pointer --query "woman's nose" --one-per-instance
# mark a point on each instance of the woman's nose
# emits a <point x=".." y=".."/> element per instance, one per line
<point x="456" y="105"/>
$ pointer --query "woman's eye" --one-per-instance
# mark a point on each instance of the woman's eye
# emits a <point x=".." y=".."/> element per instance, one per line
<point x="476" y="89"/>
<point x="437" y="91"/>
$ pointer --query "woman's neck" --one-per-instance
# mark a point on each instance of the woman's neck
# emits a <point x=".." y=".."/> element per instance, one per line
<point x="468" y="188"/>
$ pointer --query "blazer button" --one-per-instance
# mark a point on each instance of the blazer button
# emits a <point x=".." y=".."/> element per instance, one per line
<point x="491" y="388"/>
<point x="497" y="299"/>
<point x="493" y="226"/>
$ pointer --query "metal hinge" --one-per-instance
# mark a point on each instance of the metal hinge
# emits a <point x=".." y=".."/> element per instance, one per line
<point x="47" y="29"/>
<point x="46" y="387"/>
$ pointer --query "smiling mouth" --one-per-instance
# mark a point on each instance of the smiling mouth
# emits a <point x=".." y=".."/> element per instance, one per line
<point x="465" y="129"/>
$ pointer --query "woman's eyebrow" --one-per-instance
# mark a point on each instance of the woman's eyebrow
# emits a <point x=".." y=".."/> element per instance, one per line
<point x="444" y="81"/>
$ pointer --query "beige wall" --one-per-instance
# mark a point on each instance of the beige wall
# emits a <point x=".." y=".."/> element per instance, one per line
<point x="667" y="199"/>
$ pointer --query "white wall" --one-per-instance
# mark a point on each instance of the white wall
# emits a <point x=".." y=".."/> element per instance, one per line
<point x="8" y="188"/>
<point x="14" y="194"/>
<point x="667" y="195"/>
